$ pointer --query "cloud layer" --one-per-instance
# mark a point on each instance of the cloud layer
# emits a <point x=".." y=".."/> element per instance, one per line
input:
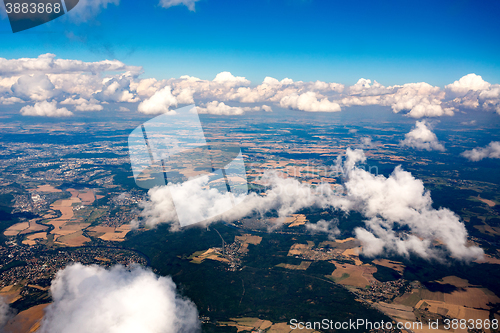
<point x="93" y="299"/>
<point x="48" y="78"/>
<point x="398" y="211"/>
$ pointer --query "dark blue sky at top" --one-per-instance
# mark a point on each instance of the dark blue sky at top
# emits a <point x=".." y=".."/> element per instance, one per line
<point x="393" y="42"/>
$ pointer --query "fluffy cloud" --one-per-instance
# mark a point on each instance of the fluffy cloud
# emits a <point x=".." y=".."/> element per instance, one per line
<point x="309" y="102"/>
<point x="169" y="3"/>
<point x="492" y="150"/>
<point x="47" y="63"/>
<point x="45" y="109"/>
<point x="399" y="203"/>
<point x="364" y="87"/>
<point x="5" y="313"/>
<point x="398" y="209"/>
<point x="93" y="299"/>
<point x="421" y="137"/>
<point x="10" y="100"/>
<point x="83" y="104"/>
<point x="220" y="108"/>
<point x="229" y="80"/>
<point x="88" y="9"/>
<point x="36" y="87"/>
<point x="160" y="102"/>
<point x="420" y="99"/>
<point x="328" y="227"/>
<point x="470" y="82"/>
<point x="116" y="90"/>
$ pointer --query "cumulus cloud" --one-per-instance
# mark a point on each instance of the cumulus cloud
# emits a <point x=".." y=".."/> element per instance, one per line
<point x="470" y="82"/>
<point x="190" y="4"/>
<point x="327" y="227"/>
<point x="420" y="99"/>
<point x="160" y="102"/>
<point x="6" y="313"/>
<point x="421" y="137"/>
<point x="36" y="87"/>
<point x="309" y="102"/>
<point x="93" y="299"/>
<point x="47" y="63"/>
<point x="492" y="150"/>
<point x="45" y="109"/>
<point x="366" y="142"/>
<point x="398" y="211"/>
<point x="399" y="203"/>
<point x="220" y="108"/>
<point x="285" y="196"/>
<point x="83" y="105"/>
<point x="229" y="80"/>
<point x="116" y="90"/>
<point x="10" y="100"/>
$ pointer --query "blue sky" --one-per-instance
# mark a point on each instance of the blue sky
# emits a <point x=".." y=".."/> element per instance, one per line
<point x="393" y="42"/>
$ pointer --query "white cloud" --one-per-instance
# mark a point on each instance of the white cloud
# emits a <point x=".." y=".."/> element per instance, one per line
<point x="83" y="104"/>
<point x="123" y="109"/>
<point x="492" y="150"/>
<point x="401" y="201"/>
<point x="6" y="313"/>
<point x="93" y="299"/>
<point x="88" y="9"/>
<point x="160" y="102"/>
<point x="45" y="109"/>
<point x="36" y="87"/>
<point x="229" y="80"/>
<point x="328" y="227"/>
<point x="47" y="63"/>
<point x="420" y="99"/>
<point x="421" y="137"/>
<point x="309" y="102"/>
<point x="10" y="100"/>
<point x="470" y="82"/>
<point x="398" y="209"/>
<point x="220" y="108"/>
<point x="190" y="4"/>
<point x="366" y="142"/>
<point x="116" y="90"/>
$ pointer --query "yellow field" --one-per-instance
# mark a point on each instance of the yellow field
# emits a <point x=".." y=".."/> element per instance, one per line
<point x="298" y="249"/>
<point x="302" y="267"/>
<point x="110" y="233"/>
<point x="354" y="255"/>
<point x="15" y="229"/>
<point x="490" y="203"/>
<point x="73" y="239"/>
<point x="249" y="239"/>
<point x="30" y="240"/>
<point x="46" y="188"/>
<point x="11" y="293"/>
<point x="26" y="321"/>
<point x="352" y="275"/>
<point x="395" y="265"/>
